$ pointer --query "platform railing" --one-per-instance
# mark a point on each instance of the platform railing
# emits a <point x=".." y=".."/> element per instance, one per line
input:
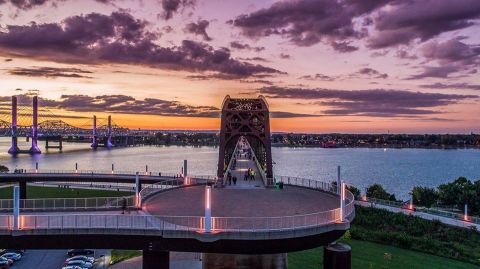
<point x="96" y="172"/>
<point x="187" y="223"/>
<point x="64" y="204"/>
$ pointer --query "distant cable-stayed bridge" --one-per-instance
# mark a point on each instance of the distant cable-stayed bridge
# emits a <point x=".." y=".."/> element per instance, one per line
<point x="34" y="124"/>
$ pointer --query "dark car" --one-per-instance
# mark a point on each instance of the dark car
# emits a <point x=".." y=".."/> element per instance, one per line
<point x="76" y="252"/>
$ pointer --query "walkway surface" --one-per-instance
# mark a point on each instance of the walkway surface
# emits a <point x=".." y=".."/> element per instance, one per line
<point x="231" y="202"/>
<point x="423" y="215"/>
<point x="243" y="163"/>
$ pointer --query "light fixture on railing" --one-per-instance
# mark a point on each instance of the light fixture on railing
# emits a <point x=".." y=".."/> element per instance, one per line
<point x="208" y="209"/>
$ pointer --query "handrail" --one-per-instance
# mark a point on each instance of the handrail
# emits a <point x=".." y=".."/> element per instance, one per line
<point x="70" y="203"/>
<point x="440" y="213"/>
<point x="259" y="167"/>
<point x="229" y="166"/>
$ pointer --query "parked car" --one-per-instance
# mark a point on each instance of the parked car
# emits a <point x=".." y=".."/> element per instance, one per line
<point x="9" y="261"/>
<point x="4" y="264"/>
<point x="76" y="252"/>
<point x="82" y="264"/>
<point x="19" y="251"/>
<point x="12" y="256"/>
<point x="81" y="258"/>
<point x="6" y="261"/>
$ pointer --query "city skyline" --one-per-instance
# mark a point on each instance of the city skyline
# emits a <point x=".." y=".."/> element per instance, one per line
<point x="324" y="66"/>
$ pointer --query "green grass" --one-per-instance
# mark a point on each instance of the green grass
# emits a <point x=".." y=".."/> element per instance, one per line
<point x="37" y="192"/>
<point x="367" y="255"/>
<point x="122" y="255"/>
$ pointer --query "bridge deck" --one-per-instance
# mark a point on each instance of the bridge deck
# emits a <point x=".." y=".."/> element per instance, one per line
<point x="243" y="163"/>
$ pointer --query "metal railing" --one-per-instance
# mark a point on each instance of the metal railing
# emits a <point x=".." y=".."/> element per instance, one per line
<point x="188" y="223"/>
<point x="97" y="172"/>
<point x="431" y="211"/>
<point x="70" y="203"/>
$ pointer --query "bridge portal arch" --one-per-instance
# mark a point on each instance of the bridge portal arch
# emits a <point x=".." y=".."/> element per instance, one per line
<point x="248" y="118"/>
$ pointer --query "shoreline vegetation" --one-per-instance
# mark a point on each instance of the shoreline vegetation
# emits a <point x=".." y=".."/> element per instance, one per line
<point x="450" y="196"/>
<point x="333" y="140"/>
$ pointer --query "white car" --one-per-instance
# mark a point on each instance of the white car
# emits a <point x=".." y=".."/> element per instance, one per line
<point x="72" y="267"/>
<point x="81" y="258"/>
<point x="12" y="256"/>
<point x="82" y="264"/>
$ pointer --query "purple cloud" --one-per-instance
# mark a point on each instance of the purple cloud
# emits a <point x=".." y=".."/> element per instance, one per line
<point x="308" y="22"/>
<point x="405" y="21"/>
<point x="452" y="56"/>
<point x="317" y="76"/>
<point x="130" y="105"/>
<point x="459" y="86"/>
<point x="172" y="6"/>
<point x="374" y="102"/>
<point x="199" y="28"/>
<point x="367" y="72"/>
<point x="119" y="38"/>
<point x="50" y="72"/>
<point x="241" y="46"/>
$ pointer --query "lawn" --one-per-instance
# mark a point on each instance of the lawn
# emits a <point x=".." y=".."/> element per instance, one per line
<point x="119" y="255"/>
<point x="36" y="192"/>
<point x="367" y="255"/>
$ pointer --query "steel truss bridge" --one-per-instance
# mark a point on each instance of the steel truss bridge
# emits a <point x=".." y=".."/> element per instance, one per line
<point x="28" y="122"/>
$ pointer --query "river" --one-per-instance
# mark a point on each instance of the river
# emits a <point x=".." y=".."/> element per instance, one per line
<point x="398" y="170"/>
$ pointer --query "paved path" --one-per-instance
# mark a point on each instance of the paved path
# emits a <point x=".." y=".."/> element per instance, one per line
<point x="423" y="215"/>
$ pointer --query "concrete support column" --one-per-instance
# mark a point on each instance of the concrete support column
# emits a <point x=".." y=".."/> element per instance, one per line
<point x="109" y="144"/>
<point x="94" y="133"/>
<point x="23" y="189"/>
<point x="235" y="261"/>
<point x="337" y="256"/>
<point x="185" y="168"/>
<point x="339" y="180"/>
<point x="14" y="146"/>
<point x="156" y="259"/>
<point x="35" y="149"/>
<point x="16" y="208"/>
<point x="138" y="188"/>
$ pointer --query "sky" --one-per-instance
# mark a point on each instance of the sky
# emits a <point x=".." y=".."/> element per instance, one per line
<point x="324" y="66"/>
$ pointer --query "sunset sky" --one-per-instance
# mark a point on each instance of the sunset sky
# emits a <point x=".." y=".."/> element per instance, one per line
<point x="349" y="66"/>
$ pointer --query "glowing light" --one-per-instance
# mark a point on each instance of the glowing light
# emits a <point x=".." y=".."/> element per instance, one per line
<point x="208" y="198"/>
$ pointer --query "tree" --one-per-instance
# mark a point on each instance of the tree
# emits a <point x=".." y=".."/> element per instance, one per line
<point x="3" y="169"/>
<point x="355" y="191"/>
<point x="460" y="192"/>
<point x="424" y="196"/>
<point x="377" y="191"/>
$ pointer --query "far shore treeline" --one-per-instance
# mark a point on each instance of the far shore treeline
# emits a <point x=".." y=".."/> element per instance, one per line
<point x="279" y="139"/>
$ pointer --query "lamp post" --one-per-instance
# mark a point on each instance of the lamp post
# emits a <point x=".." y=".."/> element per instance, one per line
<point x="208" y="209"/>
<point x="342" y="202"/>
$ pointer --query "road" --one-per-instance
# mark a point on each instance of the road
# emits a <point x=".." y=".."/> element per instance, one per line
<point x="54" y="259"/>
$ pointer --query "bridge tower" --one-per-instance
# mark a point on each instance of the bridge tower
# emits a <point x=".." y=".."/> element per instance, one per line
<point x="248" y="118"/>
<point x="109" y="144"/>
<point x="94" y="133"/>
<point x="14" y="146"/>
<point x="35" y="149"/>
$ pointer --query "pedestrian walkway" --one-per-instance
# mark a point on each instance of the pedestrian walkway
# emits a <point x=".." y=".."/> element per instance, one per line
<point x="423" y="215"/>
<point x="244" y="162"/>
